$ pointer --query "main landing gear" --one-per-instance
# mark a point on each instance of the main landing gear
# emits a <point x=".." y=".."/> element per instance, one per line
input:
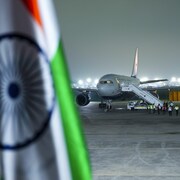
<point x="106" y="106"/>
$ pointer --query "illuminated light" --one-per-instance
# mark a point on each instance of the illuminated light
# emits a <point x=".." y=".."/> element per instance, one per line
<point x="96" y="81"/>
<point x="88" y="80"/>
<point x="144" y="79"/>
<point x="173" y="79"/>
<point x="178" y="80"/>
<point x="80" y="82"/>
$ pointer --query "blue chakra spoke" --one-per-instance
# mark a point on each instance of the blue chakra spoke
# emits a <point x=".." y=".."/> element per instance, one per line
<point x="25" y="104"/>
<point x="32" y="73"/>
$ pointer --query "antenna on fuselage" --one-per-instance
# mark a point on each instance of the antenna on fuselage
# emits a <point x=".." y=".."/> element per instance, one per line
<point x="135" y="66"/>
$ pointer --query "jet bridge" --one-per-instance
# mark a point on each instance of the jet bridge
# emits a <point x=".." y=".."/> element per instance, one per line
<point x="147" y="96"/>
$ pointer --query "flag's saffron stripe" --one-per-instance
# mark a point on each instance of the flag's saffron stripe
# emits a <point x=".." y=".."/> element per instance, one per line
<point x="32" y="6"/>
<point x="78" y="155"/>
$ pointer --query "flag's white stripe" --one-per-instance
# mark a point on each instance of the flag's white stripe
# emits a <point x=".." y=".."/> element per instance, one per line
<point x="50" y="26"/>
<point x="36" y="161"/>
<point x="60" y="146"/>
<point x="8" y="160"/>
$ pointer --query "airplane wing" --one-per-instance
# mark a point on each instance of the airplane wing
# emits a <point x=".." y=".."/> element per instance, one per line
<point x="165" y="87"/>
<point x="153" y="81"/>
<point x="85" y="90"/>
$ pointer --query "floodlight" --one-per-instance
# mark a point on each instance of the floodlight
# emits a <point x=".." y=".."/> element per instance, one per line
<point x="80" y="82"/>
<point x="173" y="79"/>
<point x="88" y="80"/>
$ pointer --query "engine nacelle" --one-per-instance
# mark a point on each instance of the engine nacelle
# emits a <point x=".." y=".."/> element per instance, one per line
<point x="82" y="99"/>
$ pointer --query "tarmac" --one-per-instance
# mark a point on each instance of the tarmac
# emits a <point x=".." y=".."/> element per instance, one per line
<point x="132" y="145"/>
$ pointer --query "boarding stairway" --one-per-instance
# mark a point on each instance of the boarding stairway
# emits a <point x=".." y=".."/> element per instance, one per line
<point x="145" y="95"/>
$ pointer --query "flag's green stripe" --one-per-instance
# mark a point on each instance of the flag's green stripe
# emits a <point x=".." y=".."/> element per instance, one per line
<point x="77" y="151"/>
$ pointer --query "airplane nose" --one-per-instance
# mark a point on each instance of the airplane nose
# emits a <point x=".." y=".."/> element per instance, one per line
<point x="100" y="88"/>
<point x="105" y="90"/>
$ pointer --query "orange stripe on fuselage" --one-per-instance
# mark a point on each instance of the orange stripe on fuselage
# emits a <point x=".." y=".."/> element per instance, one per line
<point x="32" y="6"/>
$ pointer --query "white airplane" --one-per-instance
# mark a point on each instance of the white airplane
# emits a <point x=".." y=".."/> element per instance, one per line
<point x="113" y="86"/>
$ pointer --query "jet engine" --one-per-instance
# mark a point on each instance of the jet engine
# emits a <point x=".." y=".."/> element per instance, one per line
<point x="82" y="99"/>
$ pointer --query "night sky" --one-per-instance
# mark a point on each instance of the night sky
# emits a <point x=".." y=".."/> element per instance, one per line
<point x="100" y="37"/>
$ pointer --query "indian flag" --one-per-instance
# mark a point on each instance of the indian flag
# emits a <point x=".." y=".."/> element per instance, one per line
<point x="40" y="132"/>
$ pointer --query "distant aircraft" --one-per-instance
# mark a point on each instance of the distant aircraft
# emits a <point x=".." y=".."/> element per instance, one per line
<point x="113" y="86"/>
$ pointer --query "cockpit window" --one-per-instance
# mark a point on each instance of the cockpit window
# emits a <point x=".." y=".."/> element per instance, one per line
<point x="106" y="82"/>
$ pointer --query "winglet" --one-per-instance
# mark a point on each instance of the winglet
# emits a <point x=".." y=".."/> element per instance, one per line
<point x="135" y="66"/>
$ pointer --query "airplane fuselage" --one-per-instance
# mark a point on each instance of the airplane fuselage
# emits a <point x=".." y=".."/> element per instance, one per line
<point x="110" y="85"/>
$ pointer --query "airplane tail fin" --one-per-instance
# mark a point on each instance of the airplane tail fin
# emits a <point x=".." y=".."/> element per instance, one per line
<point x="135" y="66"/>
